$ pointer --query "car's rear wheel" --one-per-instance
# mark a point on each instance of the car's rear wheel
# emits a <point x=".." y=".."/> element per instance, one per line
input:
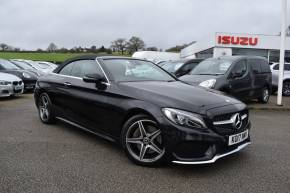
<point x="45" y="109"/>
<point x="265" y="95"/>
<point x="286" y="88"/>
<point x="142" y="141"/>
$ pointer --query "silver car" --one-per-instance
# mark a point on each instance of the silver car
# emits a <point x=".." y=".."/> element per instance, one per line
<point x="10" y="85"/>
<point x="286" y="79"/>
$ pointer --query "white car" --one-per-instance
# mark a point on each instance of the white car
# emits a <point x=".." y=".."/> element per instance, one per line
<point x="36" y="65"/>
<point x="286" y="78"/>
<point x="10" y="85"/>
<point x="47" y="64"/>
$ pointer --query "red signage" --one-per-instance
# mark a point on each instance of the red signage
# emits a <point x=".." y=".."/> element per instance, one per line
<point x="237" y="40"/>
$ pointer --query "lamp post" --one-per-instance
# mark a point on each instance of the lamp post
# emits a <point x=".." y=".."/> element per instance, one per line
<point x="282" y="51"/>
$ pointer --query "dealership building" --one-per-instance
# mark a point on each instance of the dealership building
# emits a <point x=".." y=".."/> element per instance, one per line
<point x="229" y="44"/>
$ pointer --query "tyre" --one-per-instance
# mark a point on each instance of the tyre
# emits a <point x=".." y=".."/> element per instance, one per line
<point x="142" y="141"/>
<point x="45" y="109"/>
<point x="286" y="88"/>
<point x="265" y="95"/>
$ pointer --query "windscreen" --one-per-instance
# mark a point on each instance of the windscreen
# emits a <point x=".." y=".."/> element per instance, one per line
<point x="212" y="67"/>
<point x="130" y="70"/>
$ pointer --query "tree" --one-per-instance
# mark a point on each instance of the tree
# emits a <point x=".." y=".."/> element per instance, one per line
<point x="102" y="49"/>
<point x="135" y="44"/>
<point x="152" y="49"/>
<point x="93" y="49"/>
<point x="4" y="46"/>
<point x="51" y="47"/>
<point x="119" y="45"/>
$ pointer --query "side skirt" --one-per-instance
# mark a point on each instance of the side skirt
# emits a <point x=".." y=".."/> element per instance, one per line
<point x="85" y="129"/>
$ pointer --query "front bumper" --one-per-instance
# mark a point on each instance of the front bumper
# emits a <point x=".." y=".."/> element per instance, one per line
<point x="29" y="85"/>
<point x="9" y="90"/>
<point x="193" y="146"/>
<point x="216" y="157"/>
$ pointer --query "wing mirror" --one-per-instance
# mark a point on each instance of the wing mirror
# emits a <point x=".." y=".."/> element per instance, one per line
<point x="97" y="79"/>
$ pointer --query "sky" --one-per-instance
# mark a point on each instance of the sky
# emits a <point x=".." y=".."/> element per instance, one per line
<point x="32" y="24"/>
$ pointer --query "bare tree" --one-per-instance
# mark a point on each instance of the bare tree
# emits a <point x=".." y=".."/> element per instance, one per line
<point x="135" y="44"/>
<point x="119" y="45"/>
<point x="51" y="47"/>
<point x="4" y="46"/>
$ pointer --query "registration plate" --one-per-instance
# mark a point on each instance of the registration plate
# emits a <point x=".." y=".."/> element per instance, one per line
<point x="237" y="138"/>
<point x="17" y="88"/>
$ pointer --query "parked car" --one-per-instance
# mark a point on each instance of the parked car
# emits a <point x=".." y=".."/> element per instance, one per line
<point x="27" y="77"/>
<point x="10" y="85"/>
<point x="36" y="66"/>
<point x="25" y="66"/>
<point x="180" y="67"/>
<point x="47" y="65"/>
<point x="152" y="115"/>
<point x="286" y="78"/>
<point x="244" y="77"/>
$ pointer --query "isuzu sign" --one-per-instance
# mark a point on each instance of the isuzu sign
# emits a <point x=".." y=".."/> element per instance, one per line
<point x="237" y="40"/>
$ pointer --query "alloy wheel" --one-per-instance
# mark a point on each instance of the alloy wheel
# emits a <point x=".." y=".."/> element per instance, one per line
<point x="44" y="108"/>
<point x="265" y="95"/>
<point x="144" y="141"/>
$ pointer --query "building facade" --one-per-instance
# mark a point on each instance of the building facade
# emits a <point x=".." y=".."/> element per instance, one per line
<point x="223" y="44"/>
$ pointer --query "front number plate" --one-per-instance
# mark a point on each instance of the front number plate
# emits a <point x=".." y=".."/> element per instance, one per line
<point x="237" y="138"/>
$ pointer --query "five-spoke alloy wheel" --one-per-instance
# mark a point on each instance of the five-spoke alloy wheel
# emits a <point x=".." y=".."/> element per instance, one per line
<point x="142" y="141"/>
<point x="44" y="108"/>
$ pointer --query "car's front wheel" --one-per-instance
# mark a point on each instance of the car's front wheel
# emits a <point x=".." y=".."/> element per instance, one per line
<point x="142" y="141"/>
<point x="45" y="109"/>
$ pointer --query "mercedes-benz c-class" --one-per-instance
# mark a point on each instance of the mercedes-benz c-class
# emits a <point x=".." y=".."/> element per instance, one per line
<point x="151" y="114"/>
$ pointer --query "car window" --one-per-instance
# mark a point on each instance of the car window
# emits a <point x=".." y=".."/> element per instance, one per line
<point x="265" y="68"/>
<point x="7" y="65"/>
<point x="66" y="70"/>
<point x="256" y="66"/>
<point x="123" y="70"/>
<point x="172" y="66"/>
<point x="188" y="67"/>
<point x="213" y="66"/>
<point x="240" y="68"/>
<point x="84" y="67"/>
<point x="286" y="67"/>
<point x="276" y="67"/>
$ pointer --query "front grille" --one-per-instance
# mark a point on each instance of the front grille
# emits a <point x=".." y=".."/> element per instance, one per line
<point x="15" y="83"/>
<point x="229" y="128"/>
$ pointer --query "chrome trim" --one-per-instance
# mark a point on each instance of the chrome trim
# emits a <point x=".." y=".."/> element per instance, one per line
<point x="216" y="157"/>
<point x="103" y="71"/>
<point x="230" y="121"/>
<point x="85" y="129"/>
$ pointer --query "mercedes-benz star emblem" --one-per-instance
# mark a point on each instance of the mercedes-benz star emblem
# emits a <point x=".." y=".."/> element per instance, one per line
<point x="237" y="121"/>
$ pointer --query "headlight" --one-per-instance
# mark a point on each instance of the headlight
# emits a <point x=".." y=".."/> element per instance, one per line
<point x="3" y="82"/>
<point x="184" y="118"/>
<point x="208" y="83"/>
<point x="26" y="75"/>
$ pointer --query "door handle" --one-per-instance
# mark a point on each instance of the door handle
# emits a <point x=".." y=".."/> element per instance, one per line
<point x="67" y="84"/>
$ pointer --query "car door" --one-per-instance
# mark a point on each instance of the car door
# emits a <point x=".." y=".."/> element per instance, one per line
<point x="240" y="80"/>
<point x="258" y="78"/>
<point x="88" y="104"/>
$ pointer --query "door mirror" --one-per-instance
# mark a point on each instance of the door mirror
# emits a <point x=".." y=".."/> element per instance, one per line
<point x="97" y="79"/>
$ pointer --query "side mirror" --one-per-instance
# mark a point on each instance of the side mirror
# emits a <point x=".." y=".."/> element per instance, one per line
<point x="95" y="78"/>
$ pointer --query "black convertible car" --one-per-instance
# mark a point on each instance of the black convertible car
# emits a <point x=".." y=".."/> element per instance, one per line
<point x="151" y="114"/>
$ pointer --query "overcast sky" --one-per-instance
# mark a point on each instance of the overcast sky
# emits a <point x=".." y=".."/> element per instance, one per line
<point x="32" y="24"/>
